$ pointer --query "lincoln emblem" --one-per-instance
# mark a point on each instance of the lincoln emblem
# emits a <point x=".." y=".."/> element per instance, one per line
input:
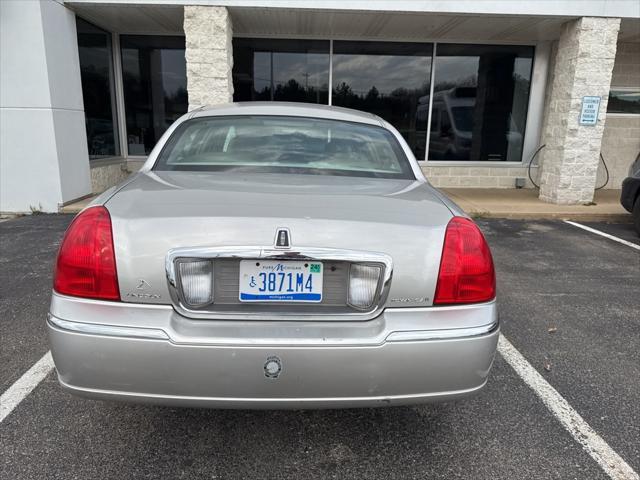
<point x="283" y="238"/>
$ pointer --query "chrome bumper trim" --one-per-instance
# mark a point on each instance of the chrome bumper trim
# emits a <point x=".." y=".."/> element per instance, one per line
<point x="158" y="334"/>
<point x="422" y="335"/>
<point x="107" y="330"/>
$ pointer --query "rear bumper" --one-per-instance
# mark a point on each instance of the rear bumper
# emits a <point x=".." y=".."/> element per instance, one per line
<point x="389" y="363"/>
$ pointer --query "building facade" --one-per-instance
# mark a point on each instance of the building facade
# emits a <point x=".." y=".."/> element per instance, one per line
<point x="487" y="94"/>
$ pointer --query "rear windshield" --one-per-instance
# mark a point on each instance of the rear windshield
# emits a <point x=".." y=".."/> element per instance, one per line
<point x="271" y="144"/>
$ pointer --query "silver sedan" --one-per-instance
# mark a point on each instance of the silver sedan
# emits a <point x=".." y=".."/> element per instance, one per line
<point x="274" y="255"/>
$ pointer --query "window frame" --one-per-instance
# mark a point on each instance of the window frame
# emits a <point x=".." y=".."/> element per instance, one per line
<point x="535" y="104"/>
<point x="535" y="107"/>
<point x="537" y="58"/>
<point x="115" y="78"/>
<point x="621" y="114"/>
<point x="140" y="157"/>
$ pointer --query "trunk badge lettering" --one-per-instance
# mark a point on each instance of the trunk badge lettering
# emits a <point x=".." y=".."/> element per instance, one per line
<point x="141" y="286"/>
<point x="410" y="300"/>
<point x="147" y="296"/>
<point x="283" y="238"/>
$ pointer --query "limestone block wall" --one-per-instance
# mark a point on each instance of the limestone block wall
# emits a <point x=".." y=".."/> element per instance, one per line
<point x="209" y="55"/>
<point x="104" y="176"/>
<point x="477" y="176"/>
<point x="621" y="139"/>
<point x="620" y="146"/>
<point x="626" y="69"/>
<point x="583" y="66"/>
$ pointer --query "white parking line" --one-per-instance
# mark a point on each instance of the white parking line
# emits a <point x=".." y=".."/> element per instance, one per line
<point x="600" y="451"/>
<point x="602" y="234"/>
<point x="22" y="387"/>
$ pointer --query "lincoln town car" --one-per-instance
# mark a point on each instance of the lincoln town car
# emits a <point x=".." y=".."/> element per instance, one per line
<point x="274" y="255"/>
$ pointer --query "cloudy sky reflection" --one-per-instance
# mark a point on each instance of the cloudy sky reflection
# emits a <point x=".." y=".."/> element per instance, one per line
<point x="387" y="73"/>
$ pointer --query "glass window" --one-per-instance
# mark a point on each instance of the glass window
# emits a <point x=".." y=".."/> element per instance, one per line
<point x="154" y="75"/>
<point x="96" y="74"/>
<point x="481" y="93"/>
<point x="624" y="100"/>
<point x="272" y="144"/>
<point x="280" y="70"/>
<point x="388" y="79"/>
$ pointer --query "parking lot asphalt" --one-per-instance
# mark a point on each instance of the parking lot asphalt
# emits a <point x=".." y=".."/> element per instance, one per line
<point x="624" y="231"/>
<point x="586" y="290"/>
<point x="569" y="301"/>
<point x="28" y="247"/>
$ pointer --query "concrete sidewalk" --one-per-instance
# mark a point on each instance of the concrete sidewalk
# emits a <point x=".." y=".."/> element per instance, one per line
<point x="524" y="204"/>
<point x="508" y="203"/>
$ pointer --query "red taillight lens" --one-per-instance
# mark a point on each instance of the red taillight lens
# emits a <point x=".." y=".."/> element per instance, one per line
<point x="86" y="265"/>
<point x="466" y="268"/>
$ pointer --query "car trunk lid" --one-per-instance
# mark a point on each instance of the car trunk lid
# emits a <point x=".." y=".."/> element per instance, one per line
<point x="161" y="211"/>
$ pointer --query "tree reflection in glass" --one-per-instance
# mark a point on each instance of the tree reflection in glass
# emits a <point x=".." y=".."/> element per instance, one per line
<point x="280" y="70"/>
<point x="389" y="79"/>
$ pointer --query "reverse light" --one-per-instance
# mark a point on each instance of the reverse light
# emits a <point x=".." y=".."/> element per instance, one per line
<point x="466" y="272"/>
<point x="196" y="279"/>
<point x="86" y="263"/>
<point x="363" y="285"/>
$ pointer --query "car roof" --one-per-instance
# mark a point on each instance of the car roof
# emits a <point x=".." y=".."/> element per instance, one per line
<point x="292" y="109"/>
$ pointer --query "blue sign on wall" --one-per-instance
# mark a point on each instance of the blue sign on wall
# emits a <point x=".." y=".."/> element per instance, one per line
<point x="589" y="111"/>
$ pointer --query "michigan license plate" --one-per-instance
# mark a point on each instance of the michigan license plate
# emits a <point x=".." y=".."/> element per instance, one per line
<point x="280" y="281"/>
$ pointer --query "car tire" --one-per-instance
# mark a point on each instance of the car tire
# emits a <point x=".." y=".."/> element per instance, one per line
<point x="636" y="215"/>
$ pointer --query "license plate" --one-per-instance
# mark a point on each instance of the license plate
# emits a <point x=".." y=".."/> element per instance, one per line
<point x="280" y="281"/>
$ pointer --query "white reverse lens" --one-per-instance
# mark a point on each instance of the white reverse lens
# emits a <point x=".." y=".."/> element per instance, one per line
<point x="363" y="284"/>
<point x="196" y="278"/>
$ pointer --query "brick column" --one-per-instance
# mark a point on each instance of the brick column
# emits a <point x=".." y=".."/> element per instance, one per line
<point x="209" y="55"/>
<point x="583" y="66"/>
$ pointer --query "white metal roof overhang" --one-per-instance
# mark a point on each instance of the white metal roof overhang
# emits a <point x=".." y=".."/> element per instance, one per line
<point x="167" y="19"/>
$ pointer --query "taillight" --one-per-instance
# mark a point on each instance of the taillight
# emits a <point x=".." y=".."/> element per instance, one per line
<point x="466" y="267"/>
<point x="86" y="264"/>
